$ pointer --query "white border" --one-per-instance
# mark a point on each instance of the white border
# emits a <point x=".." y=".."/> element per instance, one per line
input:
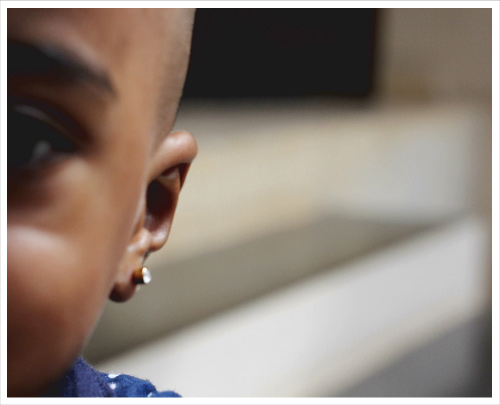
<point x="494" y="5"/>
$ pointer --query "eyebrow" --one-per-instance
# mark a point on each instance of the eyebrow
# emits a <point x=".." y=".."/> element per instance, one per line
<point x="36" y="60"/>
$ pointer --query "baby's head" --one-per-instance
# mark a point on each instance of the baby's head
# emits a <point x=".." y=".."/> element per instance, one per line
<point x="94" y="171"/>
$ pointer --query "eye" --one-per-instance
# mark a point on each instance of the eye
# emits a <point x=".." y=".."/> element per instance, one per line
<point x="35" y="139"/>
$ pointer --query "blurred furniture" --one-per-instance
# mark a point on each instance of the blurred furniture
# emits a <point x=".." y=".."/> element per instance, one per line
<point x="316" y="244"/>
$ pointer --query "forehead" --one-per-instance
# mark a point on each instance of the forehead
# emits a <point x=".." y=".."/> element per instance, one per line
<point x="113" y="35"/>
<point x="144" y="51"/>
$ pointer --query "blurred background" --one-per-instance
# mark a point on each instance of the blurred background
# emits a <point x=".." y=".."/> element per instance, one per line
<point x="334" y="235"/>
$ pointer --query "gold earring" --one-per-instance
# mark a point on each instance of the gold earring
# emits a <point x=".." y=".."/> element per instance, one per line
<point x="141" y="276"/>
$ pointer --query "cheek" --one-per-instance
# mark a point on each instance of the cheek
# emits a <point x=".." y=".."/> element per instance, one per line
<point x="65" y="242"/>
<point x="48" y="283"/>
<point x="53" y="300"/>
<point x="80" y="217"/>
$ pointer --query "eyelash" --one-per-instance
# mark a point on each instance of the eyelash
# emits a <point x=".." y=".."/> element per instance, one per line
<point x="35" y="140"/>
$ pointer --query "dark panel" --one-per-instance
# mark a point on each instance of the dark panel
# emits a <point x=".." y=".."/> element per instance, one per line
<point x="281" y="52"/>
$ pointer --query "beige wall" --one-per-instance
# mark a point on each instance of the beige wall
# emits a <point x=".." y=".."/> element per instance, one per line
<point x="435" y="53"/>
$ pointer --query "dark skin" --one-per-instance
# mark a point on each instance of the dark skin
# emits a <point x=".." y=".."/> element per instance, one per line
<point x="81" y="218"/>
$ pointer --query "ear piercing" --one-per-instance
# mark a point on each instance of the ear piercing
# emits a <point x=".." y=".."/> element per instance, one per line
<point x="141" y="276"/>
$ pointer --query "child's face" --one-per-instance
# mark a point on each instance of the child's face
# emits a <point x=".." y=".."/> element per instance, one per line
<point x="93" y="177"/>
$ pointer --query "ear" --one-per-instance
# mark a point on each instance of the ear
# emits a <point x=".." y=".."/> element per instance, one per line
<point x="168" y="171"/>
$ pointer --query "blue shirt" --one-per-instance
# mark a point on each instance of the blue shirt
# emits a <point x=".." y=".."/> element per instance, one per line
<point x="84" y="381"/>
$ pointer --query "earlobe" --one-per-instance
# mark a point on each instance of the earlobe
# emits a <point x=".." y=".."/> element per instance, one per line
<point x="169" y="169"/>
<point x="124" y="287"/>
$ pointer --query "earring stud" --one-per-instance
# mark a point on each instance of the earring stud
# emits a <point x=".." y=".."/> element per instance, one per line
<point x="141" y="276"/>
